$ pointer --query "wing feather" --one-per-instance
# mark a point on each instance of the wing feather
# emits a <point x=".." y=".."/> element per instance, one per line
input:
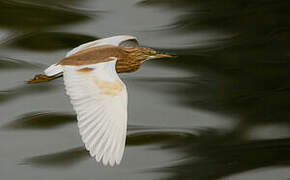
<point x="99" y="98"/>
<point x="123" y="40"/>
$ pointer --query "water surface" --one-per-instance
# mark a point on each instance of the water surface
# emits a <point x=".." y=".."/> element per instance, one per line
<point x="218" y="111"/>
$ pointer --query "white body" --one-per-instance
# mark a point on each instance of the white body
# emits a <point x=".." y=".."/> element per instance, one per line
<point x="99" y="98"/>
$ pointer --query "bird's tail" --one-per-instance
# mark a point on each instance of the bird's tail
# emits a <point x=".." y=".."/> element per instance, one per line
<point x="43" y="78"/>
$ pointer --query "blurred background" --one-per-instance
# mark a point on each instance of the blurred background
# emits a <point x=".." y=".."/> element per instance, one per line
<point x="221" y="110"/>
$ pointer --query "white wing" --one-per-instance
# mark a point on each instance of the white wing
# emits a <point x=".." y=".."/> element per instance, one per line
<point x="99" y="98"/>
<point x="115" y="41"/>
<point x="121" y="40"/>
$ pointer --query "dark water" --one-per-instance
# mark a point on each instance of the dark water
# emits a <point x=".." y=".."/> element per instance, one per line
<point x="221" y="110"/>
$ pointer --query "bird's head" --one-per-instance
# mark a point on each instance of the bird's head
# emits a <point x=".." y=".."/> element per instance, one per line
<point x="144" y="54"/>
<point x="135" y="57"/>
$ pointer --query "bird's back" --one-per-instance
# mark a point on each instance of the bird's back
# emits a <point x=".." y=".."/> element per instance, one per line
<point x="94" y="55"/>
<point x="125" y="58"/>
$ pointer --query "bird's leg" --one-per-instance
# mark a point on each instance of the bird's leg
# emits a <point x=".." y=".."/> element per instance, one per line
<point x="43" y="78"/>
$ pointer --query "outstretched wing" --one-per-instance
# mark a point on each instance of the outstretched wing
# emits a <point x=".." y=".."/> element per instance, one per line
<point x="121" y="40"/>
<point x="99" y="98"/>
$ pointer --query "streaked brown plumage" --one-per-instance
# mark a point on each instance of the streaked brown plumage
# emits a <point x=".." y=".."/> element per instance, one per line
<point x="129" y="59"/>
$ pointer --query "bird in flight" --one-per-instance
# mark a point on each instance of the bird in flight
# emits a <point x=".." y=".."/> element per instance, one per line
<point x="98" y="95"/>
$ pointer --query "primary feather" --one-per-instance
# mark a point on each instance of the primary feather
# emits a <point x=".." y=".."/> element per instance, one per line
<point x="99" y="98"/>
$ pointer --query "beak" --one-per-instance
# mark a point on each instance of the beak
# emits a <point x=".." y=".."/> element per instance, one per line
<point x="158" y="56"/>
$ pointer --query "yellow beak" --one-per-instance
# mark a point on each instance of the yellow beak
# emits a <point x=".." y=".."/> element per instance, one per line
<point x="158" y="56"/>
